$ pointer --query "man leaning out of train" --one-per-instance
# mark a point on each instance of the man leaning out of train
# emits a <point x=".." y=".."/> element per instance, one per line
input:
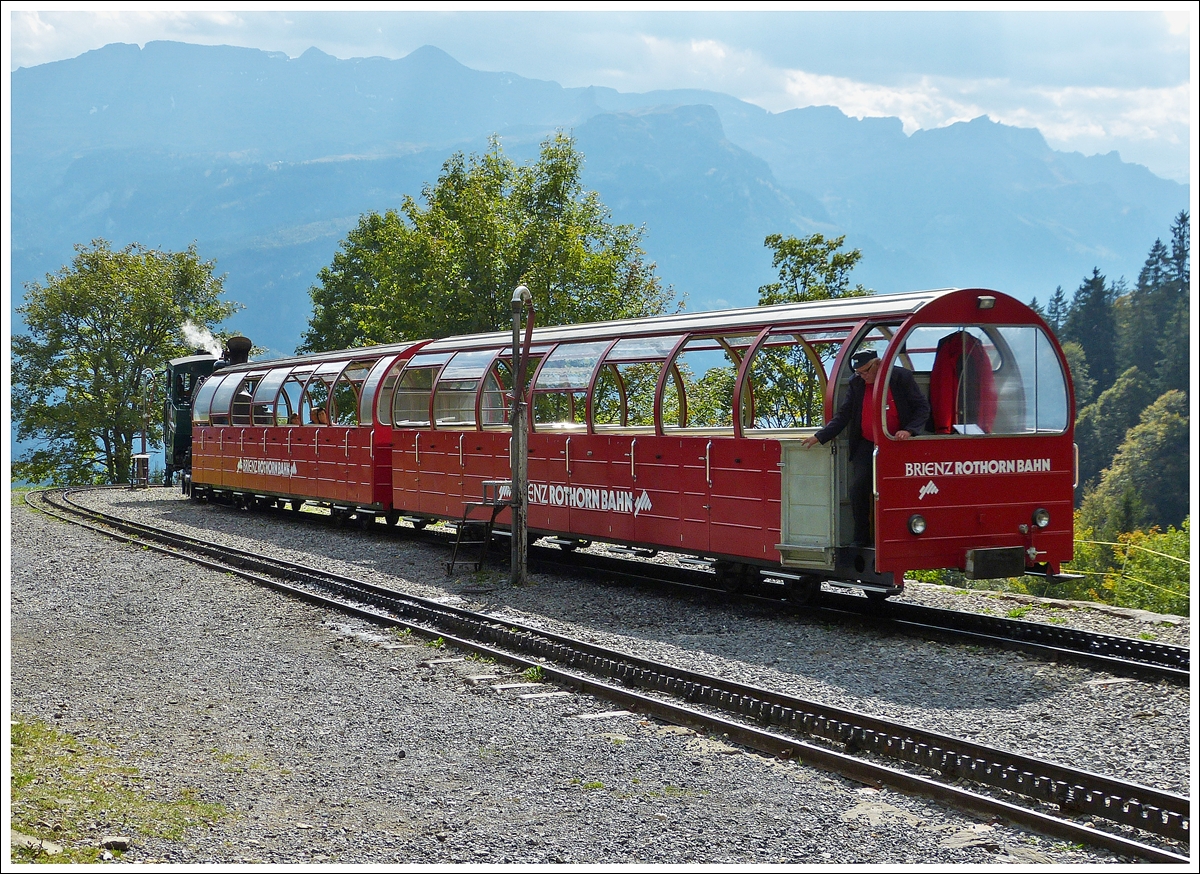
<point x="907" y="414"/>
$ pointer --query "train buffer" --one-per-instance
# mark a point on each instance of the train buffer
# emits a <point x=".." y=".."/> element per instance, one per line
<point x="475" y="529"/>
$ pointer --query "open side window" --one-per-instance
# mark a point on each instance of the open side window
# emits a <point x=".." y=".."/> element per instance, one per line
<point x="495" y="404"/>
<point x="698" y="392"/>
<point x="287" y="405"/>
<point x="315" y="402"/>
<point x="347" y="391"/>
<point x="560" y="392"/>
<point x="623" y="396"/>
<point x="787" y="381"/>
<point x="265" y="395"/>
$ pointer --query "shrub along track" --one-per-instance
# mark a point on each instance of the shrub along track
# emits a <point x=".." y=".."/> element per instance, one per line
<point x="1043" y="796"/>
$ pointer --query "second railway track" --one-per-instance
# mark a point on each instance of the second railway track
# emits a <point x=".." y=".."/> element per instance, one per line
<point x="1043" y="796"/>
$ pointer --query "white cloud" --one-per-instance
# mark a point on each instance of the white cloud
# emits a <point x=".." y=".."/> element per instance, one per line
<point x="920" y="105"/>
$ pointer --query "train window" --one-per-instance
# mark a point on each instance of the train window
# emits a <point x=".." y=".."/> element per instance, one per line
<point x="314" y="403"/>
<point x="560" y="410"/>
<point x="376" y="391"/>
<point x="560" y="395"/>
<point x="643" y="348"/>
<point x="182" y="387"/>
<point x="497" y="385"/>
<point x="244" y="411"/>
<point x="287" y="408"/>
<point x="625" y="386"/>
<point x="410" y="405"/>
<point x="624" y="394"/>
<point x="387" y="392"/>
<point x="204" y="396"/>
<point x="786" y="384"/>
<point x="570" y="366"/>
<point x="989" y="379"/>
<point x="347" y="391"/>
<point x="219" y="410"/>
<point x="344" y="409"/>
<point x="264" y="397"/>
<point x="454" y="401"/>
<point x="699" y="393"/>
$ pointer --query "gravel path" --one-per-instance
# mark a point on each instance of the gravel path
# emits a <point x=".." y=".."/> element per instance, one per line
<point x="331" y="741"/>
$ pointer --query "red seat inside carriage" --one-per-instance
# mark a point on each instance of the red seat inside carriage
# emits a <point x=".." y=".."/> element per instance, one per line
<point x="962" y="389"/>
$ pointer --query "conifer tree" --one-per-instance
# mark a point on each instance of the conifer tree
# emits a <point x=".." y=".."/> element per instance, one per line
<point x="1056" y="311"/>
<point x="1090" y="324"/>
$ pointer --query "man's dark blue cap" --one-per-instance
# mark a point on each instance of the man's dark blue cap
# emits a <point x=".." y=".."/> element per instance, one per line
<point x="860" y="359"/>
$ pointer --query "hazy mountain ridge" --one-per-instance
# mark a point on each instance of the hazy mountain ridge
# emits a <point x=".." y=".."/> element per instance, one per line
<point x="265" y="161"/>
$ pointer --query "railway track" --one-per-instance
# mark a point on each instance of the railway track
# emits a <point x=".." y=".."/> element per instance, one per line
<point x="1046" y="797"/>
<point x="1121" y="656"/>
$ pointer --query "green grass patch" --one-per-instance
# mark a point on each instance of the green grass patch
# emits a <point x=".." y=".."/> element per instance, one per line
<point x="534" y="674"/>
<point x="65" y="790"/>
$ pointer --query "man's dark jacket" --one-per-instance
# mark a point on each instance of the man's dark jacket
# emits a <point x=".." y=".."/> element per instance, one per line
<point x="911" y="405"/>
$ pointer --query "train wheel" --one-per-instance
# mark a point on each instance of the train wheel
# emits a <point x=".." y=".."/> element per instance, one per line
<point x="366" y="521"/>
<point x="297" y="506"/>
<point x="803" y="590"/>
<point x="392" y="519"/>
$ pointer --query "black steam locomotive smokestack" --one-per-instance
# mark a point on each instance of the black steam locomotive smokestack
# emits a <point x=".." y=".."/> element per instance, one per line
<point x="237" y="350"/>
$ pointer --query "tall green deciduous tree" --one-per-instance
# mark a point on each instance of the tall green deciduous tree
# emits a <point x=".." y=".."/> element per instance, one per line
<point x="1147" y="482"/>
<point x="787" y="385"/>
<point x="1085" y="386"/>
<point x="449" y="265"/>
<point x="1101" y="426"/>
<point x="96" y="330"/>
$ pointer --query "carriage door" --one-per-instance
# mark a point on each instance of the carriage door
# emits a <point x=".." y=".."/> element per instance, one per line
<point x="809" y="494"/>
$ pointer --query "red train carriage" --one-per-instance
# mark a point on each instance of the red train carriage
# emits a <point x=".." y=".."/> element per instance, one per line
<point x="685" y="433"/>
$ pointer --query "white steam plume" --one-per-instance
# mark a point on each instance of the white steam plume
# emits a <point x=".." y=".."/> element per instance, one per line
<point x="197" y="336"/>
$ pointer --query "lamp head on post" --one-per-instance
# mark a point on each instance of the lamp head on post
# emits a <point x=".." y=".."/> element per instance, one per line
<point x="521" y="298"/>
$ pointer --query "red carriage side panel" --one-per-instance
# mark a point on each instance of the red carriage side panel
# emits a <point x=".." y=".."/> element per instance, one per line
<point x="406" y="471"/>
<point x="549" y="500"/>
<point x="602" y="497"/>
<point x="693" y="469"/>
<point x="485" y="457"/>
<point x="441" y="474"/>
<point x="745" y="498"/>
<point x="301" y="445"/>
<point x="657" y="502"/>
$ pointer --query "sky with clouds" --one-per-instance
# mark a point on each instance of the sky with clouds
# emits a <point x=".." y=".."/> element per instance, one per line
<point x="1092" y="81"/>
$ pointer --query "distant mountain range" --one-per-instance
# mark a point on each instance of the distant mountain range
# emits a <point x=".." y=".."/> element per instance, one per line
<point x="266" y="162"/>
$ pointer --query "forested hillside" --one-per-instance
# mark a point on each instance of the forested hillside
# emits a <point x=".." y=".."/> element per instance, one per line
<point x="1129" y="347"/>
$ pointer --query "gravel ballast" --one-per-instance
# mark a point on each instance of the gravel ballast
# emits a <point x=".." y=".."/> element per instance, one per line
<point x="328" y="740"/>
